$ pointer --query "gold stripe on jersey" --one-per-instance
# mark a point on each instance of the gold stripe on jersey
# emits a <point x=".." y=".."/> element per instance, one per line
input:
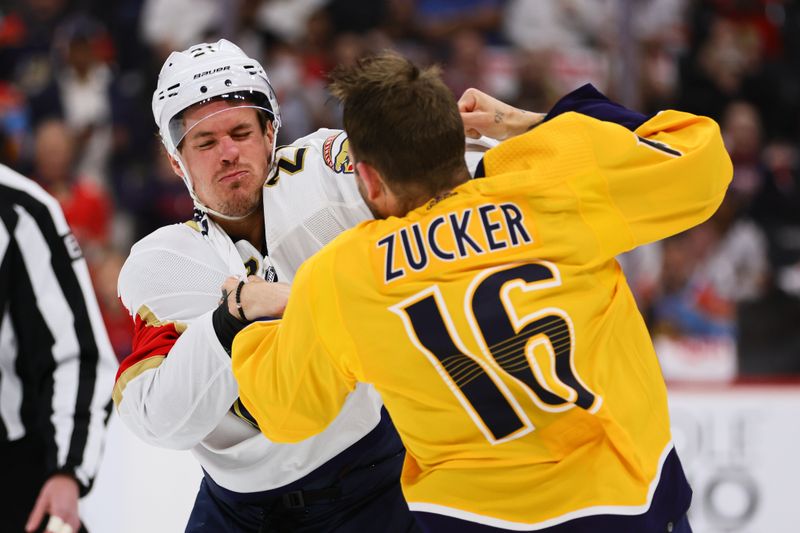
<point x="150" y="319"/>
<point x="132" y="373"/>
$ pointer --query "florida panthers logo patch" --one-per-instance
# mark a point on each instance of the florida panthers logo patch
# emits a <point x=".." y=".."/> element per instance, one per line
<point x="336" y="154"/>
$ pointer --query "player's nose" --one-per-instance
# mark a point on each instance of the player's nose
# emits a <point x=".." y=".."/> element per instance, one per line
<point x="229" y="150"/>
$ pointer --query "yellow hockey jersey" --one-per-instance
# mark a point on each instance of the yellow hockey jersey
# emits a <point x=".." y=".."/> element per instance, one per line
<point x="498" y="327"/>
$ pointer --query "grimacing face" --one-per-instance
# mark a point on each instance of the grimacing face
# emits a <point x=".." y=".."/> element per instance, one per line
<point x="227" y="155"/>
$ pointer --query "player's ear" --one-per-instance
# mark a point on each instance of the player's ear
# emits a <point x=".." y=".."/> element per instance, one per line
<point x="373" y="182"/>
<point x="269" y="133"/>
<point x="176" y="168"/>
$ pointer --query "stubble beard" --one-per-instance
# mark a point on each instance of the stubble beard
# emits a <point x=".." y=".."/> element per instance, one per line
<point x="241" y="204"/>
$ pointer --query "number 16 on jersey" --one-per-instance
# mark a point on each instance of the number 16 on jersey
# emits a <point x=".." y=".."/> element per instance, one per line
<point x="508" y="342"/>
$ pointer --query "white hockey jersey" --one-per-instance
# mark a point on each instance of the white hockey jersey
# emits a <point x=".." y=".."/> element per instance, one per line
<point x="176" y="389"/>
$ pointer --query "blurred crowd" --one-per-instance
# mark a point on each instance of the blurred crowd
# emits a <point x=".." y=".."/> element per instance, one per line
<point x="722" y="300"/>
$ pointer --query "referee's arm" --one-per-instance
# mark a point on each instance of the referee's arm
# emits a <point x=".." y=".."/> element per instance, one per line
<point x="51" y="326"/>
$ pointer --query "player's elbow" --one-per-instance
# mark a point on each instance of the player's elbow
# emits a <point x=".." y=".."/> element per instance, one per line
<point x="707" y="172"/>
<point x="716" y="177"/>
<point x="160" y="422"/>
<point x="153" y="433"/>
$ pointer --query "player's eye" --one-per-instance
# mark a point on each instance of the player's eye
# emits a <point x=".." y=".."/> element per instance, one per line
<point x="240" y="135"/>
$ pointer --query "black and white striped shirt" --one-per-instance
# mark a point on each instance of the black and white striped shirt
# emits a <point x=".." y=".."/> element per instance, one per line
<point x="56" y="362"/>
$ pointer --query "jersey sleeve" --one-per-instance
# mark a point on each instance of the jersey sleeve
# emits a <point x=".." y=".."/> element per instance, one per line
<point x="289" y="379"/>
<point x="630" y="187"/>
<point x="176" y="385"/>
<point x="668" y="176"/>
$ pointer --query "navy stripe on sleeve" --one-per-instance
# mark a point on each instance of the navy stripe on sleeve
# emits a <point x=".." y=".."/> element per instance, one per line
<point x="587" y="100"/>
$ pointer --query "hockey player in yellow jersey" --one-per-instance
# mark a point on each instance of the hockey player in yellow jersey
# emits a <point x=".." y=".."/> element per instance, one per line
<point x="490" y="314"/>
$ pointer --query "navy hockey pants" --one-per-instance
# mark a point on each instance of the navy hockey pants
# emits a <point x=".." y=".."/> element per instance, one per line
<point x="357" y="491"/>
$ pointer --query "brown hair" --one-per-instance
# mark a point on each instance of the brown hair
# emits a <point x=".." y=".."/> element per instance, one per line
<point x="404" y="121"/>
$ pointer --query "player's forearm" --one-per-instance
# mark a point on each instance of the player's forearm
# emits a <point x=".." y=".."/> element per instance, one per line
<point x="485" y="115"/>
<point x="182" y="396"/>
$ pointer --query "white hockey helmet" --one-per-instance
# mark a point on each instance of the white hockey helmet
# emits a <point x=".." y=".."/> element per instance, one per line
<point x="202" y="73"/>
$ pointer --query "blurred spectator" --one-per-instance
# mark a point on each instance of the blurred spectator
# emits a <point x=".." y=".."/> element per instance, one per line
<point x="643" y="270"/>
<point x="440" y="19"/>
<point x="84" y="85"/>
<point x="660" y="26"/>
<point x="86" y="206"/>
<point x="741" y="129"/>
<point x="27" y="29"/>
<point x="535" y="87"/>
<point x="559" y="24"/>
<point x="571" y="39"/>
<point x="727" y="65"/>
<point x="154" y="195"/>
<point x="466" y="64"/>
<point x="471" y="62"/>
<point x="356" y="16"/>
<point x="14" y="123"/>
<point x="777" y="208"/>
<point x="706" y="273"/>
<point x="398" y="23"/>
<point x="288" y="19"/>
<point x="769" y="343"/>
<point x="295" y="92"/>
<point x="177" y="24"/>
<point x="26" y="57"/>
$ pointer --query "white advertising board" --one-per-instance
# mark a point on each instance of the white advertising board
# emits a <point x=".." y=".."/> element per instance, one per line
<point x="739" y="446"/>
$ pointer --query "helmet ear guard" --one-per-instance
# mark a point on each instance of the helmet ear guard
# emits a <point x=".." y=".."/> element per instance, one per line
<point x="202" y="73"/>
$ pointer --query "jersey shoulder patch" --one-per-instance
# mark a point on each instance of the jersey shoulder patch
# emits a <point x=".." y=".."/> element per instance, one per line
<point x="335" y="153"/>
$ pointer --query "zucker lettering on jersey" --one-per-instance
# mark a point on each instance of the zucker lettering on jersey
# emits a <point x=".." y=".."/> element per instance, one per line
<point x="452" y="236"/>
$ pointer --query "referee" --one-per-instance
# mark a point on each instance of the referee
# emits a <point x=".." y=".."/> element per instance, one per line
<point x="56" y="364"/>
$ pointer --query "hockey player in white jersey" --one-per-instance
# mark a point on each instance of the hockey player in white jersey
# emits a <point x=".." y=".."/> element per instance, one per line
<point x="259" y="212"/>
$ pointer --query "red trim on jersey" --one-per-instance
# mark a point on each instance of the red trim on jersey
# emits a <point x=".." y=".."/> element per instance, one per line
<point x="148" y="341"/>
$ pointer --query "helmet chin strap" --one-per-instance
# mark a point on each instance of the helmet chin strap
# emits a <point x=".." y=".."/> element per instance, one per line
<point x="199" y="204"/>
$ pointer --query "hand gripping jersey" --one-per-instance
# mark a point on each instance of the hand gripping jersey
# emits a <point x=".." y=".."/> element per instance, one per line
<point x="498" y="327"/>
<point x="176" y="389"/>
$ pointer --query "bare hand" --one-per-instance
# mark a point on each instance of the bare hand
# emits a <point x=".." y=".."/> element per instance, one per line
<point x="59" y="499"/>
<point x="259" y="298"/>
<point x="485" y="115"/>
